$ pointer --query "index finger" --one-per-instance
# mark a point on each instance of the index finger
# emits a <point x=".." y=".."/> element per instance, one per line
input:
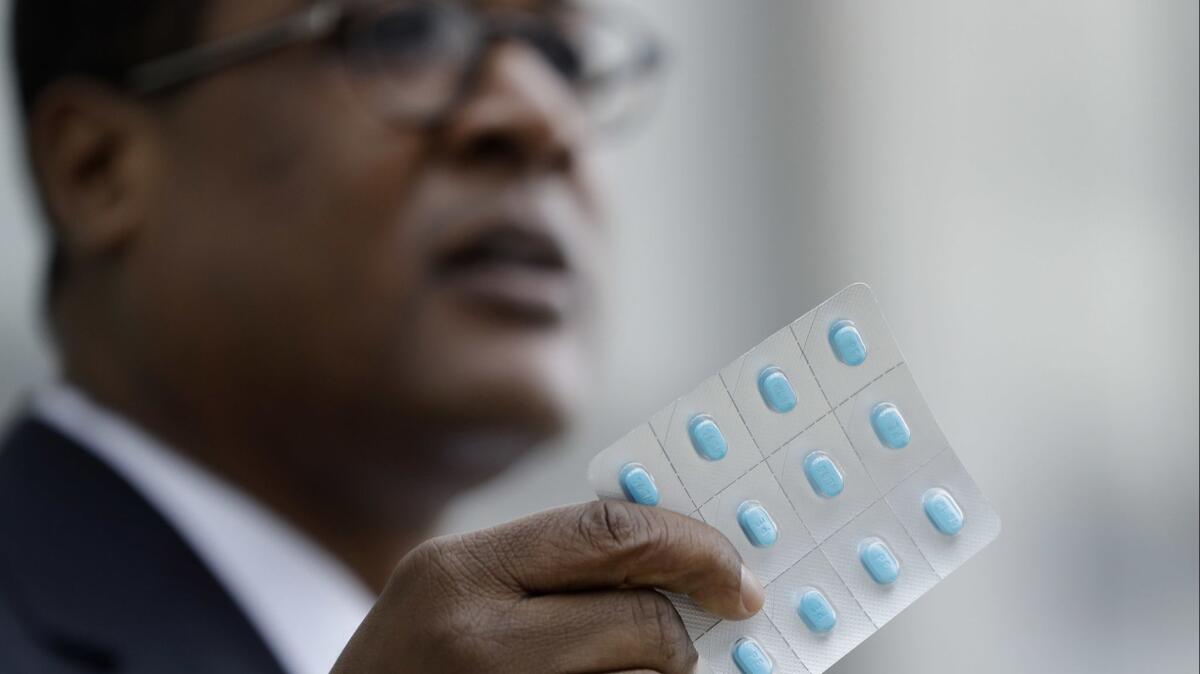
<point x="614" y="544"/>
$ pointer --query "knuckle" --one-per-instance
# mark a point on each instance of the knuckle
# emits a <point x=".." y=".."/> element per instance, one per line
<point x="431" y="556"/>
<point x="462" y="621"/>
<point x="436" y="566"/>
<point x="453" y="617"/>
<point x="612" y="526"/>
<point x="476" y="562"/>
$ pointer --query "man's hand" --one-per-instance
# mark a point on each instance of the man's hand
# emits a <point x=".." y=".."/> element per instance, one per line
<point x="563" y="591"/>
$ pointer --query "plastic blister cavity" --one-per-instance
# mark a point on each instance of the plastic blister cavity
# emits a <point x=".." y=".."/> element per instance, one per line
<point x="847" y="343"/>
<point x="890" y="427"/>
<point x="943" y="511"/>
<point x="980" y="524"/>
<point x="818" y="650"/>
<point x="756" y="382"/>
<point x="716" y="647"/>
<point x="824" y="515"/>
<point x="758" y="489"/>
<point x="701" y="475"/>
<point x="638" y="447"/>
<point x="758" y="525"/>
<point x="751" y="658"/>
<point x="816" y="456"/>
<point x="877" y="558"/>
<point x="889" y="464"/>
<point x="638" y="484"/>
<point x="707" y="438"/>
<point x="776" y="390"/>
<point x="824" y="475"/>
<point x="855" y="306"/>
<point x="814" y="608"/>
<point x="847" y="549"/>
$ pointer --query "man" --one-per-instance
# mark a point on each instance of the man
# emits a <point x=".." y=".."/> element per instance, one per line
<point x="317" y="268"/>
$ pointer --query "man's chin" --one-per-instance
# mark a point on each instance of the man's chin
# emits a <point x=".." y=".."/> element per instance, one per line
<point x="477" y="420"/>
<point x="518" y="384"/>
<point x="469" y="460"/>
<point x="413" y="481"/>
<point x="484" y="432"/>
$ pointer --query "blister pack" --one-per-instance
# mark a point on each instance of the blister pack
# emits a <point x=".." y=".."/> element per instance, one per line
<point x="816" y="455"/>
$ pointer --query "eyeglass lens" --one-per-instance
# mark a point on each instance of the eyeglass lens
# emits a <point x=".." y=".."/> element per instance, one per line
<point x="423" y="51"/>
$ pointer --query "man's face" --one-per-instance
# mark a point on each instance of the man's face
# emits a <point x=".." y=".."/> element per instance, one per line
<point x="306" y="257"/>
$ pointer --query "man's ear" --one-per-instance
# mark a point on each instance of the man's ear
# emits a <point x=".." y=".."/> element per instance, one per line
<point x="95" y="154"/>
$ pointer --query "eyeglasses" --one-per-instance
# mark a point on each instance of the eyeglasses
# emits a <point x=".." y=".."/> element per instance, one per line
<point x="421" y="58"/>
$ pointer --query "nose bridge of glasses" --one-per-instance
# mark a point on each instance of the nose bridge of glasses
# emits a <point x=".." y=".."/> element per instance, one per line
<point x="515" y="64"/>
<point x="520" y="99"/>
<point x="434" y="57"/>
<point x="535" y="33"/>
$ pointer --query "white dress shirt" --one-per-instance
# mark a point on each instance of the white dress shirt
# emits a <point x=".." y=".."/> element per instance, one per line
<point x="303" y="601"/>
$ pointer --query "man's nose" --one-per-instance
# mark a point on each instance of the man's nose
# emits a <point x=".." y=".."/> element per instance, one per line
<point x="521" y="116"/>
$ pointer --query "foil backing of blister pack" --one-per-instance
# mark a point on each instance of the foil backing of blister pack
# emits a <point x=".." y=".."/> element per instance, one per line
<point x="881" y="491"/>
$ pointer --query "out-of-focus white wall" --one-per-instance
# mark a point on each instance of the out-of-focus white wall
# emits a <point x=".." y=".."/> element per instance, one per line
<point x="1018" y="181"/>
<point x="22" y="357"/>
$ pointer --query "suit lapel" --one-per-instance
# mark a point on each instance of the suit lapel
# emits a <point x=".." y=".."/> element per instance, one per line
<point x="99" y="579"/>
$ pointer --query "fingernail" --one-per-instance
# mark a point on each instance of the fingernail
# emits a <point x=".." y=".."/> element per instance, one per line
<point x="752" y="592"/>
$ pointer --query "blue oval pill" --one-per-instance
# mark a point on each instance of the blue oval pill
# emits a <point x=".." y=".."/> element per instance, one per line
<point x="707" y="438"/>
<point x="816" y="611"/>
<point x="943" y="511"/>
<point x="757" y="524"/>
<point x="878" y="560"/>
<point x="847" y="343"/>
<point x="890" y="426"/>
<point x="638" y="484"/>
<point x="776" y="390"/>
<point x="750" y="658"/>
<point x="823" y="474"/>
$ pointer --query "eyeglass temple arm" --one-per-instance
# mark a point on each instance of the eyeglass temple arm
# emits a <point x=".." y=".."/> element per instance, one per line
<point x="314" y="22"/>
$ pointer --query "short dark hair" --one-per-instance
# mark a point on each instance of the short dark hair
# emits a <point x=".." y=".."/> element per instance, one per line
<point x="53" y="39"/>
<point x="101" y="39"/>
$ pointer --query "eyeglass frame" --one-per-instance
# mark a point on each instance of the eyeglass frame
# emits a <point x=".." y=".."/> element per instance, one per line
<point x="323" y="20"/>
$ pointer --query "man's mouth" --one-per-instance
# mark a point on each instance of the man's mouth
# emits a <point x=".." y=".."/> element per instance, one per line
<point x="515" y="271"/>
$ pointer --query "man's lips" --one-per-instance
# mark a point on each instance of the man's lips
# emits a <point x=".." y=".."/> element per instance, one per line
<point x="507" y="244"/>
<point x="517" y="271"/>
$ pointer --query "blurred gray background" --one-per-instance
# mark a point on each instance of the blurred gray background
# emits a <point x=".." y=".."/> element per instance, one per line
<point x="1017" y="180"/>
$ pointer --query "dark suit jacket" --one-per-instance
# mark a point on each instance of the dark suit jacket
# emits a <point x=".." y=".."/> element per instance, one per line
<point x="93" y="579"/>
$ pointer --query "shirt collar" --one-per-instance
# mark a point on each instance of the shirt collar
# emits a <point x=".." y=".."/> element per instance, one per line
<point x="304" y="602"/>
